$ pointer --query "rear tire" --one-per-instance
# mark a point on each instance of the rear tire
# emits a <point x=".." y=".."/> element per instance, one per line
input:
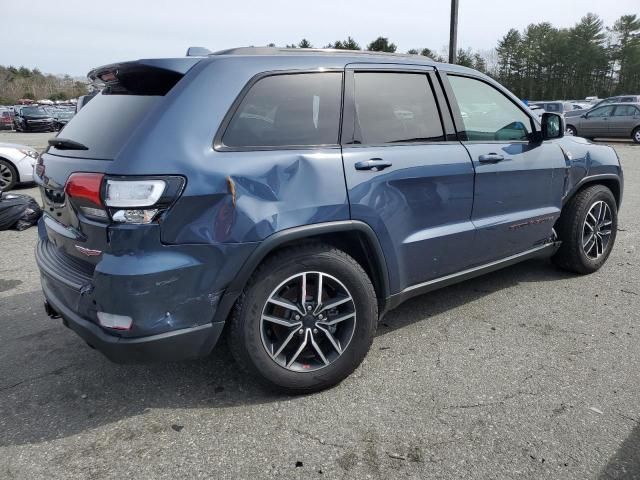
<point x="635" y="136"/>
<point x="8" y="176"/>
<point x="303" y="351"/>
<point x="587" y="229"/>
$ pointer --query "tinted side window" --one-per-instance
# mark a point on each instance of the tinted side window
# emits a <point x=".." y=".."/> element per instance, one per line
<point x="288" y="110"/>
<point x="487" y="113"/>
<point x="625" y="111"/>
<point x="395" y="108"/>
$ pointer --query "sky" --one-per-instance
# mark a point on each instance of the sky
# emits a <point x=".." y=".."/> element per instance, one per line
<point x="74" y="36"/>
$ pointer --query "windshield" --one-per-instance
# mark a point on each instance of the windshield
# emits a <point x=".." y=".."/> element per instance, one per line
<point x="34" y="111"/>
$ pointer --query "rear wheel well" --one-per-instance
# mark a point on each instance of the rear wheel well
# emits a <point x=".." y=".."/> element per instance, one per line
<point x="354" y="243"/>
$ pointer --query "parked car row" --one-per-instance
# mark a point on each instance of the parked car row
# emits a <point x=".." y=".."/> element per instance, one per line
<point x="613" y="117"/>
<point x="36" y="118"/>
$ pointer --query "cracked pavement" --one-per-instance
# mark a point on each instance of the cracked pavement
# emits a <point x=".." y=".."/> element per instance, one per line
<point x="528" y="372"/>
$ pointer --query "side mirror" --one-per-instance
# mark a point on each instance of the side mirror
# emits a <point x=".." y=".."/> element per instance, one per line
<point x="552" y="126"/>
<point x="584" y="115"/>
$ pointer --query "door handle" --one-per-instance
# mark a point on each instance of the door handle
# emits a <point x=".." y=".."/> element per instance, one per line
<point x="375" y="164"/>
<point x="490" y="158"/>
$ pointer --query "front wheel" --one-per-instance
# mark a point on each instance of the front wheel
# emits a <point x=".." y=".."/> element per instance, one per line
<point x="587" y="229"/>
<point x="571" y="131"/>
<point x="635" y="136"/>
<point x="305" y="320"/>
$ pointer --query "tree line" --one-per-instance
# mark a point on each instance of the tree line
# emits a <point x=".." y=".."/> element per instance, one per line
<point x="539" y="62"/>
<point x="17" y="83"/>
<point x="546" y="62"/>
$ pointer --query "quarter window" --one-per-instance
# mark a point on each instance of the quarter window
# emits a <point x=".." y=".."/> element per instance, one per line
<point x="488" y="114"/>
<point x="288" y="110"/>
<point x="395" y="108"/>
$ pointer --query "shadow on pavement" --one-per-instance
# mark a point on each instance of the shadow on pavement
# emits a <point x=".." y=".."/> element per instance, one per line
<point x="52" y="385"/>
<point x="625" y="464"/>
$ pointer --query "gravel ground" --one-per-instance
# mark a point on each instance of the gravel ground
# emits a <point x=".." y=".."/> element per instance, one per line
<point x="524" y="373"/>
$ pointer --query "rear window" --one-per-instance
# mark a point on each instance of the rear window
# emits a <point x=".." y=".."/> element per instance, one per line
<point x="288" y="110"/>
<point x="105" y="124"/>
<point x="130" y="91"/>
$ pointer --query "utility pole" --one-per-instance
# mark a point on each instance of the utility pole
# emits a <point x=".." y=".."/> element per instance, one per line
<point x="453" y="32"/>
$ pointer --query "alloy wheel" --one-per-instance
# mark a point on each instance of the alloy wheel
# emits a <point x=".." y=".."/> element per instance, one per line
<point x="6" y="176"/>
<point x="596" y="230"/>
<point x="308" y="321"/>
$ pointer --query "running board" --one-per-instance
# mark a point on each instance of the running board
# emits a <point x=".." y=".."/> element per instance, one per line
<point x="545" y="250"/>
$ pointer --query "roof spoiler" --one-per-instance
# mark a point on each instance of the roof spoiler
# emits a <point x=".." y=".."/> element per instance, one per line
<point x="142" y="77"/>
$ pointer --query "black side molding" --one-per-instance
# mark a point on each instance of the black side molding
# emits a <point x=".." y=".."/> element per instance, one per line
<point x="541" y="251"/>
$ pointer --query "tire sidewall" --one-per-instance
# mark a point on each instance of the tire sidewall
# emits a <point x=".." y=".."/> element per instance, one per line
<point x="366" y="319"/>
<point x="605" y="195"/>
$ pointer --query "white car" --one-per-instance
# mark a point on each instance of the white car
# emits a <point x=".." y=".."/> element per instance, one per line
<point x="16" y="165"/>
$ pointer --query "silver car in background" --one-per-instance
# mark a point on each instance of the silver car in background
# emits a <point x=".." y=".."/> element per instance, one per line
<point x="616" y="120"/>
<point x="16" y="165"/>
<point x="606" y="101"/>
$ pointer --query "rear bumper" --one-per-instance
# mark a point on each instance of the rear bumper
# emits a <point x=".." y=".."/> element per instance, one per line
<point x="170" y="292"/>
<point x="175" y="345"/>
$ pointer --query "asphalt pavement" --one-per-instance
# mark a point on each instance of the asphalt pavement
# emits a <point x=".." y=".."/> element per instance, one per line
<point x="528" y="372"/>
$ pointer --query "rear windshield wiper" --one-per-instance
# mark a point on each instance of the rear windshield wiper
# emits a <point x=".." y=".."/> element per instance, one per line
<point x="66" y="144"/>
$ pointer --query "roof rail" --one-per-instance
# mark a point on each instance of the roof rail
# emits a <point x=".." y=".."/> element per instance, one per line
<point x="277" y="50"/>
<point x="198" y="52"/>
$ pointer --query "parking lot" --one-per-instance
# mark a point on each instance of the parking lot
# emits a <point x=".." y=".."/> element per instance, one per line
<point x="526" y="372"/>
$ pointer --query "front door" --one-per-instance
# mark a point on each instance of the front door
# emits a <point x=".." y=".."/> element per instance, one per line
<point x="596" y="122"/>
<point x="518" y="178"/>
<point x="406" y="178"/>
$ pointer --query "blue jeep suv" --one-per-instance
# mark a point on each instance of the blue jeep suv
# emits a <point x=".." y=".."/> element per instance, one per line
<point x="290" y="198"/>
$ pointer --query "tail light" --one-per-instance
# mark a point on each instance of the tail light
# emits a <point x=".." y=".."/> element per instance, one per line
<point x="84" y="189"/>
<point x="124" y="199"/>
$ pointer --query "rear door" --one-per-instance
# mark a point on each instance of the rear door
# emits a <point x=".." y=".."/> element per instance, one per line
<point x="623" y="120"/>
<point x="407" y="175"/>
<point x="518" y="182"/>
<point x="596" y="122"/>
